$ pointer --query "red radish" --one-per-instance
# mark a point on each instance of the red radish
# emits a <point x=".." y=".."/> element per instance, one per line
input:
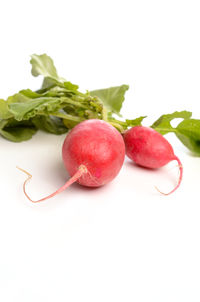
<point x="93" y="153"/>
<point x="148" y="148"/>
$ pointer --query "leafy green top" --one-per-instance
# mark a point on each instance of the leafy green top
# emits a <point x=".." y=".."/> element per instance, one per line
<point x="59" y="105"/>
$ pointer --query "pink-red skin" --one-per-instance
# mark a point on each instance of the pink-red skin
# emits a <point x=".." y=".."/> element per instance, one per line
<point x="93" y="153"/>
<point x="147" y="148"/>
<point x="99" y="147"/>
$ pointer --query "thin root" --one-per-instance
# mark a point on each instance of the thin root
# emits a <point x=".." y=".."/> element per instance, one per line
<point x="179" y="180"/>
<point x="82" y="170"/>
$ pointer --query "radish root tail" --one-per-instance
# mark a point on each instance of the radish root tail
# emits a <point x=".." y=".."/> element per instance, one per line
<point x="82" y="170"/>
<point x="179" y="180"/>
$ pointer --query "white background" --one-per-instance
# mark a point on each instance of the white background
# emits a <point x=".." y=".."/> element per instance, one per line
<point x="122" y="242"/>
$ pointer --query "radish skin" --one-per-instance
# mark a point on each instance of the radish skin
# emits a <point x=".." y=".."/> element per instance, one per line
<point x="93" y="153"/>
<point x="99" y="147"/>
<point x="149" y="149"/>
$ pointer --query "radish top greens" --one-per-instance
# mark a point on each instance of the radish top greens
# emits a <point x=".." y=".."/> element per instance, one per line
<point x="59" y="105"/>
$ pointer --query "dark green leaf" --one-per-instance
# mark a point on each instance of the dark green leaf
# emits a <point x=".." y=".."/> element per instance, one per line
<point x="18" y="134"/>
<point x="188" y="131"/>
<point x="17" y="131"/>
<point x="50" y="124"/>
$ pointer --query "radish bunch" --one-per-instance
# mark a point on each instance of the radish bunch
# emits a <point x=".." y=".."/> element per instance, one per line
<point x="93" y="153"/>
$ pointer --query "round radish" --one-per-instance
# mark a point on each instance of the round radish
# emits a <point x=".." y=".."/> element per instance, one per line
<point x="93" y="153"/>
<point x="148" y="148"/>
<point x="97" y="146"/>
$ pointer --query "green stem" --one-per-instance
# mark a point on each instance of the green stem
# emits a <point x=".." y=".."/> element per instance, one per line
<point x="66" y="116"/>
<point x="166" y="130"/>
<point x="117" y="126"/>
<point x="104" y="114"/>
<point x="74" y="103"/>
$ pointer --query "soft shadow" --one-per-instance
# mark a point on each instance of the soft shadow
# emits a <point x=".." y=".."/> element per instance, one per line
<point x="59" y="170"/>
<point x="162" y="173"/>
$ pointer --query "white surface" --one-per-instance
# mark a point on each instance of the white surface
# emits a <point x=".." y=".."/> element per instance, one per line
<point x="122" y="242"/>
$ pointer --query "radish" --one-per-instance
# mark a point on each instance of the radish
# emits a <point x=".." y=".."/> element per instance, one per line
<point x="148" y="148"/>
<point x="93" y="153"/>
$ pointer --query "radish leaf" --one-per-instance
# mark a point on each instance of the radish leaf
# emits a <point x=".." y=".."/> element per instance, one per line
<point x="43" y="65"/>
<point x="50" y="124"/>
<point x="17" y="131"/>
<point x="188" y="131"/>
<point x="112" y="97"/>
<point x="163" y="124"/>
<point x="4" y="110"/>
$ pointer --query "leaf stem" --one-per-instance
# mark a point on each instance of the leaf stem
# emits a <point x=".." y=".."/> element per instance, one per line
<point x="68" y="116"/>
<point x="104" y="114"/>
<point x="165" y="130"/>
<point x="117" y="126"/>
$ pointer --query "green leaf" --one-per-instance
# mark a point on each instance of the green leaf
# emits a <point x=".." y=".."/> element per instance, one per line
<point x="188" y="131"/>
<point x="49" y="83"/>
<point x="123" y="125"/>
<point x="18" y="134"/>
<point x="163" y="124"/>
<point x="4" y="110"/>
<point x="17" y="98"/>
<point x="17" y="131"/>
<point x="28" y="109"/>
<point x="135" y="122"/>
<point x="50" y="124"/>
<point x="29" y="93"/>
<point x="43" y="65"/>
<point x="70" y="87"/>
<point x="112" y="97"/>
